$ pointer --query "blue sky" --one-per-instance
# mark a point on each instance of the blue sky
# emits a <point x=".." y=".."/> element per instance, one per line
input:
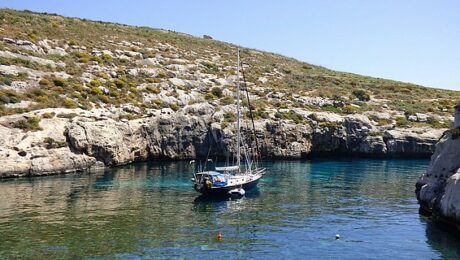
<point x="412" y="40"/>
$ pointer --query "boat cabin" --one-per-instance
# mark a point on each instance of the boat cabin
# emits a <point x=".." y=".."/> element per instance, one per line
<point x="218" y="178"/>
<point x="212" y="178"/>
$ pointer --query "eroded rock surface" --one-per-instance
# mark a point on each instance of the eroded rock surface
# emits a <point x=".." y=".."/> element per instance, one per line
<point x="438" y="190"/>
<point x="96" y="138"/>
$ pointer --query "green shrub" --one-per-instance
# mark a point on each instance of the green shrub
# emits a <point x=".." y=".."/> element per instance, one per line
<point x="229" y="117"/>
<point x="278" y="115"/>
<point x="82" y="57"/>
<point x="78" y="87"/>
<point x="174" y="106"/>
<point x="106" y="57"/>
<point x="227" y="100"/>
<point x="162" y="75"/>
<point x="96" y="91"/>
<point x="96" y="59"/>
<point x="74" y="70"/>
<point x="217" y="92"/>
<point x="48" y="115"/>
<point x="59" y="82"/>
<point x="331" y="108"/>
<point x="120" y="83"/>
<point x="291" y="115"/>
<point x="380" y="121"/>
<point x="67" y="115"/>
<point x="349" y="109"/>
<point x="209" y="96"/>
<point x="211" y="68"/>
<point x="401" y="121"/>
<point x="69" y="103"/>
<point x="128" y="116"/>
<point x="104" y="99"/>
<point x="10" y="96"/>
<point x="6" y="81"/>
<point x="260" y="113"/>
<point x="44" y="82"/>
<point x="383" y="121"/>
<point x="31" y="124"/>
<point x="330" y="124"/>
<point x="42" y="99"/>
<point x="306" y="67"/>
<point x="94" y="83"/>
<point x="436" y="124"/>
<point x="158" y="101"/>
<point x="361" y="95"/>
<point x="155" y="90"/>
<point x="50" y="143"/>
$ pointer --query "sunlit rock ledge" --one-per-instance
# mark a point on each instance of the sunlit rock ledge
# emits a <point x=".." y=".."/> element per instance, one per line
<point x="67" y="140"/>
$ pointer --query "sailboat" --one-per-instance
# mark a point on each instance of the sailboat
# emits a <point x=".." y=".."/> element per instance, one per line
<point x="231" y="180"/>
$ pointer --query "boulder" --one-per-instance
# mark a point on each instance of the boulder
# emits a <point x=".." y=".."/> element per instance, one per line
<point x="58" y="51"/>
<point x="148" y="62"/>
<point x="61" y="160"/>
<point x="177" y="82"/>
<point x="421" y="117"/>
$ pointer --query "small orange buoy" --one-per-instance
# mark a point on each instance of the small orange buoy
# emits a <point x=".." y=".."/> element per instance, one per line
<point x="219" y="236"/>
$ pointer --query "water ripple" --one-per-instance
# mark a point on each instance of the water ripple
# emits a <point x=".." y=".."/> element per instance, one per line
<point x="148" y="210"/>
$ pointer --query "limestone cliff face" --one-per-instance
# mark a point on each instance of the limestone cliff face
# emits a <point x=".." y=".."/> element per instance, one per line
<point x="94" y="140"/>
<point x="357" y="135"/>
<point x="113" y="143"/>
<point x="178" y="93"/>
<point x="26" y="154"/>
<point x="438" y="190"/>
<point x="176" y="137"/>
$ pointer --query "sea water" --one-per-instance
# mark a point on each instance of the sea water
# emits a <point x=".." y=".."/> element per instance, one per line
<point x="150" y="210"/>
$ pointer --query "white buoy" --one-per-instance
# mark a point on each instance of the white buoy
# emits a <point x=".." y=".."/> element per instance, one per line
<point x="337" y="236"/>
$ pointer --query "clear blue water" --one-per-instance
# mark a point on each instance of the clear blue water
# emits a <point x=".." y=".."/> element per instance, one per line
<point x="150" y="210"/>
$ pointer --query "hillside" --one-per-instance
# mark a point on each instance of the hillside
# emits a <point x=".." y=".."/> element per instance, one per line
<point x="53" y="61"/>
<point x="77" y="94"/>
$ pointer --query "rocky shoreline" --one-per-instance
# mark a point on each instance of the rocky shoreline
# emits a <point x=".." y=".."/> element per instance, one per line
<point x="113" y="95"/>
<point x="438" y="190"/>
<point x="93" y="139"/>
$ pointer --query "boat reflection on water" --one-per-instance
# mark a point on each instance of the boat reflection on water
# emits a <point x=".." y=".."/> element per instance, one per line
<point x="205" y="203"/>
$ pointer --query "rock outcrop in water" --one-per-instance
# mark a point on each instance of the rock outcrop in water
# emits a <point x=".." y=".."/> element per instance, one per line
<point x="92" y="139"/>
<point x="438" y="190"/>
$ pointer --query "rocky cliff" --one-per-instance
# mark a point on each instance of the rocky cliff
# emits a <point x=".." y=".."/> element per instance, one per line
<point x="438" y="190"/>
<point x="77" y="94"/>
<point x="93" y="139"/>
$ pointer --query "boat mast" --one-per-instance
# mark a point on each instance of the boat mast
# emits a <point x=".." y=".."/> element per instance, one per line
<point x="238" y="154"/>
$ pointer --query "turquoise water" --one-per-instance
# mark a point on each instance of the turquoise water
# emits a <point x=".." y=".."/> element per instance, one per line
<point x="150" y="210"/>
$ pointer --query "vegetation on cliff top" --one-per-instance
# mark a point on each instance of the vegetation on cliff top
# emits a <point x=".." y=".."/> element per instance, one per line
<point x="91" y="64"/>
